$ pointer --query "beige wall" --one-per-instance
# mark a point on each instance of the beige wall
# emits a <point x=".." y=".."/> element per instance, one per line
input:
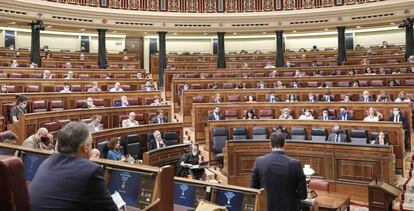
<point x="55" y="42"/>
<point x="1" y="38"/>
<point x="396" y="37"/>
<point x="203" y="45"/>
<point x="250" y="44"/>
<point x="113" y="44"/>
<point x="308" y="41"/>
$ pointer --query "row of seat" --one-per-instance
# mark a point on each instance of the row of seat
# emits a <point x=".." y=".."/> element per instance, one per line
<point x="58" y="88"/>
<point x="80" y="76"/>
<point x="130" y="145"/>
<point x="220" y="136"/>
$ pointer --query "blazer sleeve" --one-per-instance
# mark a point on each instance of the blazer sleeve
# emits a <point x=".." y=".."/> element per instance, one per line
<point x="151" y="145"/>
<point x="97" y="195"/>
<point x="255" y="180"/>
<point x="301" y="189"/>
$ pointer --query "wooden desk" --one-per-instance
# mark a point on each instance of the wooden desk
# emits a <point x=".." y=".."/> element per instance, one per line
<point x="281" y="72"/>
<point x="62" y="73"/>
<point x="69" y="99"/>
<point x="165" y="156"/>
<point x="394" y="130"/>
<point x="61" y="62"/>
<point x="347" y="167"/>
<point x="199" y="114"/>
<point x="333" y="201"/>
<point x="47" y="85"/>
<point x="304" y="82"/>
<point x="29" y="123"/>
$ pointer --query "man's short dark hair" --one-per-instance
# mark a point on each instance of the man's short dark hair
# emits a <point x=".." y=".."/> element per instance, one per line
<point x="7" y="136"/>
<point x="277" y="140"/>
<point x="72" y="136"/>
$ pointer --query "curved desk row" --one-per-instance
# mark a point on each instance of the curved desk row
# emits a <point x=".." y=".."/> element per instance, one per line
<point x="394" y="130"/>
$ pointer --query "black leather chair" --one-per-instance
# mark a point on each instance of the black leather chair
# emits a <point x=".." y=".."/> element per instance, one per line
<point x="219" y="139"/>
<point x="359" y="136"/>
<point x="259" y="133"/>
<point x="103" y="148"/>
<point x="133" y="150"/>
<point x="373" y="136"/>
<point x="239" y="133"/>
<point x="298" y="133"/>
<point x="170" y="138"/>
<point x="318" y="134"/>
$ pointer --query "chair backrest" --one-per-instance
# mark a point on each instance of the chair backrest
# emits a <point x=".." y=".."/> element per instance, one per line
<point x="373" y="135"/>
<point x="298" y="133"/>
<point x="319" y="184"/>
<point x="32" y="88"/>
<point x="99" y="103"/>
<point x="259" y="133"/>
<point x="121" y="118"/>
<point x="15" y="75"/>
<point x="198" y="99"/>
<point x="318" y="134"/>
<point x="359" y="136"/>
<point x="56" y="105"/>
<point x="239" y="133"/>
<point x="231" y="114"/>
<point x="266" y="114"/>
<point x="148" y="101"/>
<point x="79" y="103"/>
<point x="76" y="88"/>
<point x="13" y="194"/>
<point x="234" y="98"/>
<point x="103" y="148"/>
<point x="52" y="126"/>
<point x="133" y="150"/>
<point x="58" y="88"/>
<point x="133" y="101"/>
<point x="219" y="136"/>
<point x="3" y="75"/>
<point x="84" y="76"/>
<point x="170" y="138"/>
<point x="39" y="106"/>
<point x="11" y="89"/>
<point x="228" y="85"/>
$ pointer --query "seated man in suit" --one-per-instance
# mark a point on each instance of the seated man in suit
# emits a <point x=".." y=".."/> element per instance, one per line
<point x="156" y="142"/>
<point x="147" y="86"/>
<point x="344" y="115"/>
<point x="337" y="135"/>
<point x="311" y="98"/>
<point x="95" y="87"/>
<point x="159" y="119"/>
<point x="89" y="103"/>
<point x="123" y="103"/>
<point x="272" y="98"/>
<point x="326" y="115"/>
<point x="366" y="97"/>
<point x="280" y="175"/>
<point x="215" y="115"/>
<point x="261" y="85"/>
<point x="130" y="122"/>
<point x="397" y="116"/>
<point x="67" y="180"/>
<point x="327" y="97"/>
<point x="42" y="139"/>
<point x="95" y="125"/>
<point x="117" y="88"/>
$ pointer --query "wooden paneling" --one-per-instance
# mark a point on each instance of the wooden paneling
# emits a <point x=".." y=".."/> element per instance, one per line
<point x="394" y="130"/>
<point x="165" y="156"/>
<point x="338" y="163"/>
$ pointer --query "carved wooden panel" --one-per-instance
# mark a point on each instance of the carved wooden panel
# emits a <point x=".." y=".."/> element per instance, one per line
<point x="356" y="170"/>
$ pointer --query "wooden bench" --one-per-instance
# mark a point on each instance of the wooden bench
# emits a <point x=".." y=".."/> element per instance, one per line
<point x="347" y="167"/>
<point x="28" y="124"/>
<point x="200" y="111"/>
<point x="62" y="62"/>
<point x="394" y="130"/>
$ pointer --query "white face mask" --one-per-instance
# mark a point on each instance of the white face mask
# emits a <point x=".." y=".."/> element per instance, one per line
<point x="307" y="114"/>
<point x="285" y="115"/>
<point x="396" y="113"/>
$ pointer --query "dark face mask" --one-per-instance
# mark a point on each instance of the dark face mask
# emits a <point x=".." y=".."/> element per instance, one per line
<point x="45" y="140"/>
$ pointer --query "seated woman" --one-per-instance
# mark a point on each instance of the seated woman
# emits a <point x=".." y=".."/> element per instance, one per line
<point x="346" y="99"/>
<point x="369" y="71"/>
<point x="307" y="115"/>
<point x="3" y="88"/>
<point x="382" y="139"/>
<point x="19" y="108"/>
<point x="355" y="83"/>
<point x="188" y="161"/>
<point x="285" y="114"/>
<point x="249" y="115"/>
<point x="114" y="153"/>
<point x="250" y="99"/>
<point x="373" y="115"/>
<point x="292" y="98"/>
<point x="392" y="83"/>
<point x="383" y="97"/>
<point x="217" y="98"/>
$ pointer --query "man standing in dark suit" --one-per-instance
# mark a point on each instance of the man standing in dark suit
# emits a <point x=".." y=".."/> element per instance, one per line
<point x="68" y="180"/>
<point x="337" y="135"/>
<point x="281" y="176"/>
<point x="397" y="116"/>
<point x="159" y="119"/>
<point x="215" y="115"/>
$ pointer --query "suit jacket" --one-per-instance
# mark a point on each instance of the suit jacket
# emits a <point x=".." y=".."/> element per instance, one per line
<point x="370" y="99"/>
<point x="128" y="123"/>
<point x="152" y="144"/>
<point x="91" y="127"/>
<point x="332" y="136"/>
<point x="155" y="120"/>
<point x="329" y="117"/>
<point x="331" y="99"/>
<point x="348" y="117"/>
<point x="118" y="104"/>
<point x="276" y="99"/>
<point x="211" y="117"/>
<point x="283" y="179"/>
<point x="68" y="182"/>
<point x="403" y="119"/>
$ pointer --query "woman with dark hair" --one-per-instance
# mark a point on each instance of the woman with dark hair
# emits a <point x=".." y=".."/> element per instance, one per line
<point x="189" y="161"/>
<point x="392" y="83"/>
<point x="382" y="139"/>
<point x="19" y="108"/>
<point x="355" y="83"/>
<point x="114" y="153"/>
<point x="249" y="115"/>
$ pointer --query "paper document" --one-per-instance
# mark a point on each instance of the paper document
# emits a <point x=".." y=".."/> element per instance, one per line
<point x="117" y="198"/>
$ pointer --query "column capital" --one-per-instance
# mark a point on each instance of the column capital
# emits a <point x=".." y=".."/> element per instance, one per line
<point x="162" y="33"/>
<point x="221" y="33"/>
<point x="279" y="31"/>
<point x="101" y="30"/>
<point x="341" y="27"/>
